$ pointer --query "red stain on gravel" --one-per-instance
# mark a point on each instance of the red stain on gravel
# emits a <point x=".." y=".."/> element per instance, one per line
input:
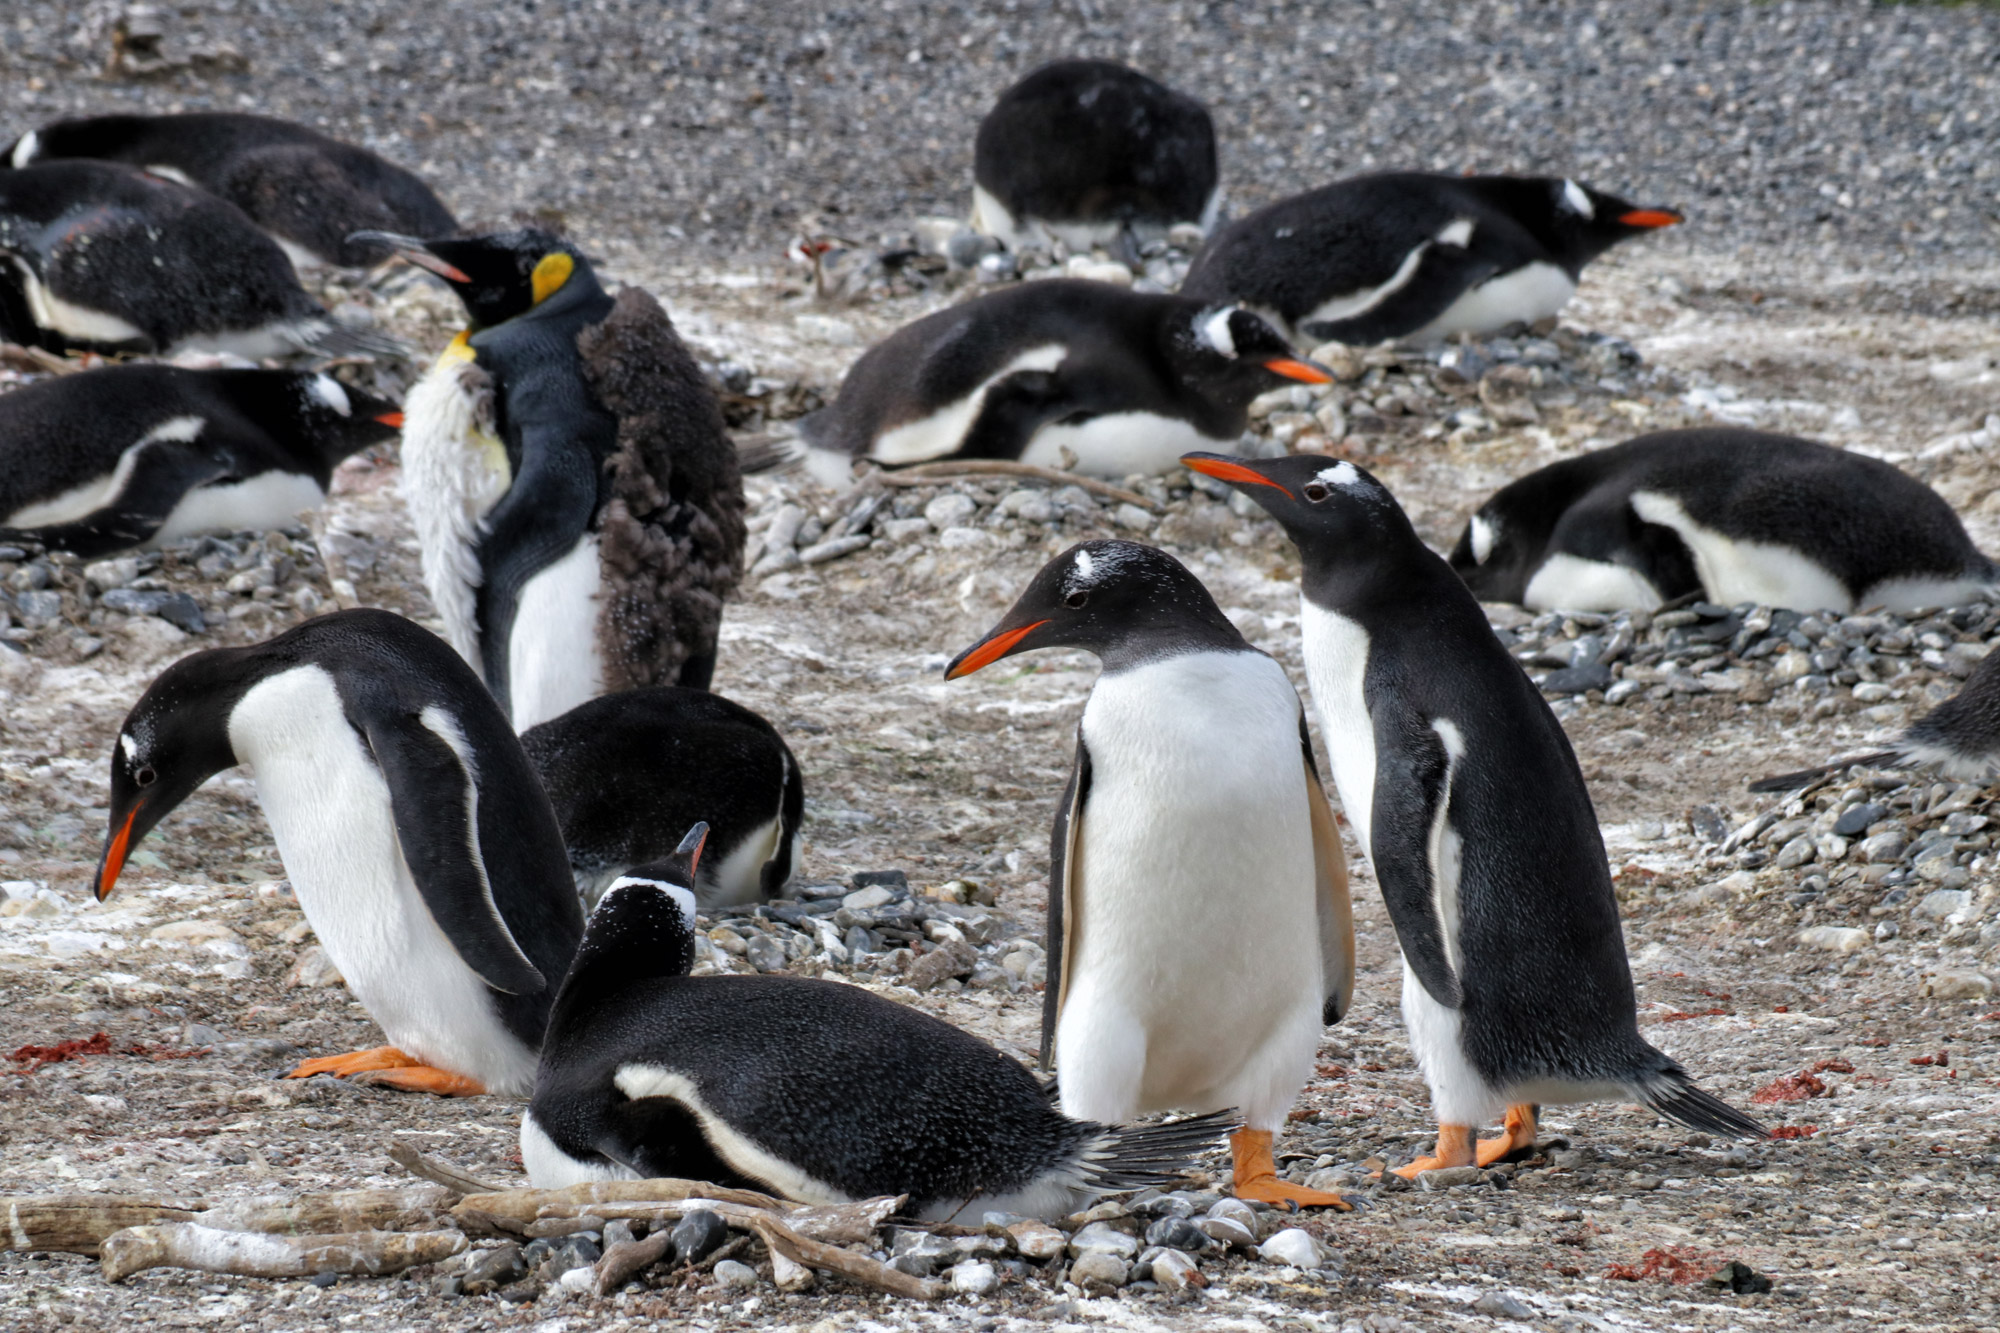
<point x="1682" y="1265"/>
<point x="1680" y="1016"/>
<point x="1942" y="1059"/>
<point x="98" y="1043"/>
<point x="1830" y="1067"/>
<point x="1794" y="1131"/>
<point x="1791" y="1088"/>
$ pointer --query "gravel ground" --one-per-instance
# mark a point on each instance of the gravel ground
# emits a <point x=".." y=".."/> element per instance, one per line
<point x="1827" y="986"/>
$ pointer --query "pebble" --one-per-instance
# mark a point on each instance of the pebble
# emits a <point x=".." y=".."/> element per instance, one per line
<point x="974" y="1277"/>
<point x="956" y="959"/>
<point x="1178" y="1233"/>
<point x="1101" y="1238"/>
<point x="949" y="510"/>
<point x="1176" y="1272"/>
<point x="1037" y="1240"/>
<point x="1941" y="903"/>
<point x="1445" y="1177"/>
<point x="1958" y="985"/>
<point x="1294" y="1248"/>
<point x="1834" y="939"/>
<point x="1502" y="1306"/>
<point x="698" y="1235"/>
<point x="736" y="1275"/>
<point x="1098" y="1271"/>
<point x="1133" y="519"/>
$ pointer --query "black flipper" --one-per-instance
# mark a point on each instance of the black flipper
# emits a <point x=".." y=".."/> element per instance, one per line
<point x="1062" y="856"/>
<point x="1412" y="771"/>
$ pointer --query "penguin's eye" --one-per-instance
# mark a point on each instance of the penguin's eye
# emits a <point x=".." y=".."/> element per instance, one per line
<point x="1077" y="600"/>
<point x="145" y="776"/>
<point x="1316" y="492"/>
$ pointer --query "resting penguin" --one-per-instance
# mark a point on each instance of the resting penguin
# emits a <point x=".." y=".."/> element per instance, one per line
<point x="125" y="455"/>
<point x="1199" y="927"/>
<point x="1093" y="153"/>
<point x="1415" y="255"/>
<point x="307" y="190"/>
<point x="813" y="1090"/>
<point x="1735" y="515"/>
<point x="422" y="849"/>
<point x="625" y="769"/>
<point x="574" y="489"/>
<point x="95" y="255"/>
<point x="1960" y="738"/>
<point x="1125" y="381"/>
<point x="1463" y="789"/>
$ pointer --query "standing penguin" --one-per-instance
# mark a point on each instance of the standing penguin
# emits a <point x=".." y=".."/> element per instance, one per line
<point x="1199" y="926"/>
<point x="573" y="486"/>
<point x="1093" y="153"/>
<point x="125" y="455"/>
<point x="1463" y="789"/>
<point x="418" y="839"/>
<point x="96" y="255"/>
<point x="809" y="1089"/>
<point x="1416" y="255"/>
<point x="309" y="191"/>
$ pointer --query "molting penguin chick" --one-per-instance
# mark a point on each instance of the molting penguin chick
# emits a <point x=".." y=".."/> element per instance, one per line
<point x="418" y="839"/>
<point x="1960" y="738"/>
<point x="307" y="190"/>
<point x="1735" y="515"/>
<point x="809" y="1089"/>
<point x="1416" y="254"/>
<point x="1093" y="153"/>
<point x="96" y="255"/>
<point x="1124" y="381"/>
<point x="624" y="769"/>
<point x="574" y="489"/>
<point x="1463" y="789"/>
<point x="1199" y="924"/>
<point x="127" y="455"/>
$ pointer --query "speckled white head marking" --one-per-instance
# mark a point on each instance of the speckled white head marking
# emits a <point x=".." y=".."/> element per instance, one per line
<point x="25" y="150"/>
<point x="1214" y="331"/>
<point x="1458" y="233"/>
<point x="1484" y="532"/>
<point x="127" y="747"/>
<point x="1576" y="201"/>
<point x="682" y="898"/>
<point x="1340" y="474"/>
<point x="1088" y="569"/>
<point x="326" y="391"/>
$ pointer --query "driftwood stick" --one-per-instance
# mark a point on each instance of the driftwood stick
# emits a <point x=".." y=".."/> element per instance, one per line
<point x="629" y="1258"/>
<point x="78" y="1223"/>
<point x="36" y="359"/>
<point x="426" y="1167"/>
<point x="412" y="1208"/>
<point x="514" y="1209"/>
<point x="847" y="1263"/>
<point x="251" y="1254"/>
<point x="929" y="474"/>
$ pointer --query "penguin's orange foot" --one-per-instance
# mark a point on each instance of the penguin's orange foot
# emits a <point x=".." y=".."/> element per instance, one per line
<point x="422" y="1078"/>
<point x="1255" y="1175"/>
<point x="1519" y="1136"/>
<point x="1454" y="1148"/>
<point x="355" y="1062"/>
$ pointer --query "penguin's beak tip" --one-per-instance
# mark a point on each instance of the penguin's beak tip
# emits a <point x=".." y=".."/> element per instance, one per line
<point x="1652" y="217"/>
<point x="1300" y="369"/>
<point x="393" y="420"/>
<point x="414" y="251"/>
<point x="989" y="650"/>
<point x="1230" y="470"/>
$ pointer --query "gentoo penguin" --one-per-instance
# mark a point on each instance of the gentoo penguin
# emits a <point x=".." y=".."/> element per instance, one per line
<point x="422" y="849"/>
<point x="574" y="489"/>
<point x="813" y="1090"/>
<point x="126" y="455"/>
<point x="309" y="191"/>
<point x="1735" y="515"/>
<point x="625" y="769"/>
<point x="1125" y="381"/>
<point x="1199" y="928"/>
<point x="95" y="255"/>
<point x="1465" y="793"/>
<point x="1417" y="255"/>
<point x="1092" y="153"/>
<point x="1960" y="738"/>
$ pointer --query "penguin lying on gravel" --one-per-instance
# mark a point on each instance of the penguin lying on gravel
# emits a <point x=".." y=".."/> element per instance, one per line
<point x="1735" y="515"/>
<point x="1463" y="789"/>
<point x="574" y="489"/>
<point x="125" y="455"/>
<point x="1199" y="926"/>
<point x="624" y="769"/>
<point x="1093" y="153"/>
<point x="94" y="255"/>
<point x="415" y="833"/>
<point x="307" y="190"/>
<point x="1123" y="380"/>
<point x="1416" y="255"/>
<point x="808" y="1089"/>
<point x="1960" y="738"/>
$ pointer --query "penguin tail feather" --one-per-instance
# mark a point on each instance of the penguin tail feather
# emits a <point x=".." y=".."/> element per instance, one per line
<point x="1672" y="1093"/>
<point x="1130" y="1157"/>
<point x="1793" y="781"/>
<point x="332" y="339"/>
<point x="769" y="453"/>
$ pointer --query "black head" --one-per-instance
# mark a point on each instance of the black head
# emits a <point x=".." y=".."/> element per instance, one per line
<point x="1124" y="602"/>
<point x="497" y="276"/>
<point x="335" y="421"/>
<point x="1231" y="354"/>
<point x="645" y="920"/>
<point x="1578" y="223"/>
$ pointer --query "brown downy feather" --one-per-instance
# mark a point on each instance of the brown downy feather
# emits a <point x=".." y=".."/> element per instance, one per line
<point x="671" y="530"/>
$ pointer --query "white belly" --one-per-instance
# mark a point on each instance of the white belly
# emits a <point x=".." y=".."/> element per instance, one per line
<point x="553" y="660"/>
<point x="330" y="812"/>
<point x="1733" y="571"/>
<point x="1120" y="444"/>
<point x="1531" y="292"/>
<point x="1336" y="653"/>
<point x="266" y="501"/>
<point x="1196" y="978"/>
<point x="1568" y="582"/>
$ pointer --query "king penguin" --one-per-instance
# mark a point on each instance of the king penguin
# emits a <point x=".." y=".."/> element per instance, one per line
<point x="307" y="190"/>
<point x="1199" y="926"/>
<point x="1416" y="255"/>
<point x="100" y="256"/>
<point x="574" y="489"/>
<point x="415" y="833"/>
<point x="129" y="455"/>
<point x="812" y="1090"/>
<point x="1465" y="793"/>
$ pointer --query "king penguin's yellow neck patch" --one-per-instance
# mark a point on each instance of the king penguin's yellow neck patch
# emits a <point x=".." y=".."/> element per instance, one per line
<point x="551" y="273"/>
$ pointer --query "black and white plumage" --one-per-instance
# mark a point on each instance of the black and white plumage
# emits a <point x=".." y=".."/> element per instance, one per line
<point x="97" y="255"/>
<point x="1465" y="793"/>
<point x="573" y="486"/>
<point x="1960" y="738"/>
<point x="1416" y="255"/>
<point x="628" y="771"/>
<point x="808" y="1089"/>
<point x="415" y="833"/>
<point x="126" y="455"/>
<point x="1735" y="515"/>
<point x="309" y="191"/>
<point x="1199" y="925"/>
<point x="1092" y="153"/>
<point x="1125" y="381"/>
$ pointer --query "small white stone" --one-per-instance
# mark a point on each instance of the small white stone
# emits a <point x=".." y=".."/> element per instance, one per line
<point x="105" y="575"/>
<point x="1132" y="518"/>
<point x="949" y="510"/>
<point x="733" y="1274"/>
<point x="1834" y="939"/>
<point x="789" y="1276"/>
<point x="577" y="1280"/>
<point x="974" y="1277"/>
<point x="826" y="329"/>
<point x="1292" y="1247"/>
<point x="1958" y="986"/>
<point x="1103" y="1239"/>
<point x="902" y="530"/>
<point x="963" y="538"/>
<point x="868" y="899"/>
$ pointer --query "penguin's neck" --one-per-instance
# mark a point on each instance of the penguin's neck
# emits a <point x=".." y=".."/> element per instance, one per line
<point x="636" y="934"/>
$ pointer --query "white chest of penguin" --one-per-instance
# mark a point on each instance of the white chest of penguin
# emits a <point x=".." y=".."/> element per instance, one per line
<point x="1195" y="974"/>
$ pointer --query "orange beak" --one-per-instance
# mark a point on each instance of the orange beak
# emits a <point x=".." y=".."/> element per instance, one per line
<point x="1651" y="217"/>
<point x="991" y="651"/>
<point x="114" y="856"/>
<point x="1224" y="470"/>
<point x="393" y="420"/>
<point x="1304" y="371"/>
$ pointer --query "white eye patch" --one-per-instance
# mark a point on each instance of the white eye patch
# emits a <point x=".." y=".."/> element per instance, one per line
<point x="24" y="151"/>
<point x="1458" y="233"/>
<point x="1086" y="568"/>
<point x="326" y="391"/>
<point x="1215" y="331"/>
<point x="126" y="746"/>
<point x="1577" y="201"/>
<point x="1340" y="474"/>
